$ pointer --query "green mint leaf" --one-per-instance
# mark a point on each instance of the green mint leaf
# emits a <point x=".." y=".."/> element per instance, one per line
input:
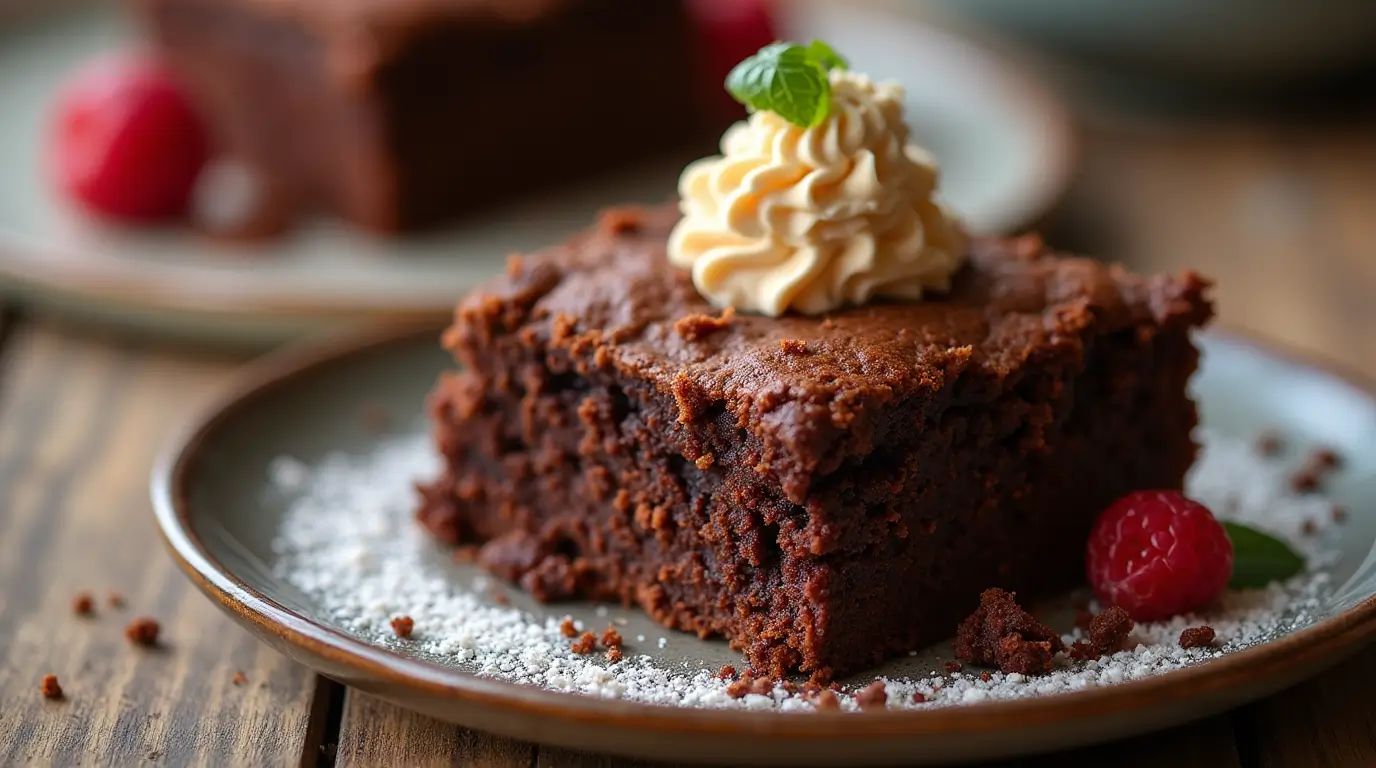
<point x="1259" y="558"/>
<point x="786" y="79"/>
<point x="824" y="54"/>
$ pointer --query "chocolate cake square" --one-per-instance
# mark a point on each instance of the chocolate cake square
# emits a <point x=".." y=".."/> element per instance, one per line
<point x="825" y="492"/>
<point x="402" y="114"/>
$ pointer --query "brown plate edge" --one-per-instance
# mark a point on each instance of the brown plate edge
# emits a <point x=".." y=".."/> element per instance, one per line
<point x="1310" y="649"/>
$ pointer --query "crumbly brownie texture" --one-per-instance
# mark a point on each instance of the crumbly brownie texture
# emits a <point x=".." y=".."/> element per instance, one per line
<point x="402" y="114"/>
<point x="825" y="509"/>
<point x="1001" y="634"/>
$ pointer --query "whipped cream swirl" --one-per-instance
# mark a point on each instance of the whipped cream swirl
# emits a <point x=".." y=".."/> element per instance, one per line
<point x="813" y="219"/>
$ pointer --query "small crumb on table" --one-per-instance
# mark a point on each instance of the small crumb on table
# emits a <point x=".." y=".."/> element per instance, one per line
<point x="50" y="688"/>
<point x="238" y="678"/>
<point x="115" y="599"/>
<point x="611" y="638"/>
<point x="143" y="632"/>
<point x="1197" y="637"/>
<point x="403" y="626"/>
<point x="83" y="604"/>
<point x="614" y="654"/>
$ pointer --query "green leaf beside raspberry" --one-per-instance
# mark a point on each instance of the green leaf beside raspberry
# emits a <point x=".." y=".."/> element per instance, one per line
<point x="788" y="79"/>
<point x="1259" y="558"/>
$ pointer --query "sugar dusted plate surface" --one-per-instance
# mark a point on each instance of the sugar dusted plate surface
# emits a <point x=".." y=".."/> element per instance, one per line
<point x="231" y="507"/>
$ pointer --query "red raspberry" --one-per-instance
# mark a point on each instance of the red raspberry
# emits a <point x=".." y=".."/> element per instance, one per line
<point x="1158" y="554"/>
<point x="730" y="31"/>
<point x="126" y="141"/>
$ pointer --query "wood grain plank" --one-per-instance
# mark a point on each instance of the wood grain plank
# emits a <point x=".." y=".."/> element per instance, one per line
<point x="1327" y="721"/>
<point x="1279" y="217"/>
<point x="377" y="733"/>
<point x="80" y="422"/>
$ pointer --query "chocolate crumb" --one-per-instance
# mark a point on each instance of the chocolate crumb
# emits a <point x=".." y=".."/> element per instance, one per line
<point x="919" y="697"/>
<point x="1082" y="651"/>
<point x="586" y="643"/>
<point x="873" y="696"/>
<point x="50" y="688"/>
<point x="1269" y="443"/>
<point x="611" y="638"/>
<point x="699" y="326"/>
<point x="83" y="604"/>
<point x="1339" y="513"/>
<point x="793" y="347"/>
<point x="1308" y="528"/>
<point x="1026" y="657"/>
<point x="1001" y="634"/>
<point x="614" y="654"/>
<point x="115" y="599"/>
<point x="761" y="686"/>
<point x="825" y="700"/>
<point x="705" y="461"/>
<point x="238" y="678"/>
<point x="567" y="628"/>
<point x="1197" y="637"/>
<point x="403" y="626"/>
<point x="727" y="672"/>
<point x="1109" y="629"/>
<point x="1325" y="457"/>
<point x="985" y="676"/>
<point x="952" y="667"/>
<point x="738" y="689"/>
<point x="1304" y="481"/>
<point x="143" y="632"/>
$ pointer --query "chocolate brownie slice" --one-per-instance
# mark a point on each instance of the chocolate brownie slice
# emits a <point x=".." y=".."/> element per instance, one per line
<point x="400" y="114"/>
<point x="823" y="491"/>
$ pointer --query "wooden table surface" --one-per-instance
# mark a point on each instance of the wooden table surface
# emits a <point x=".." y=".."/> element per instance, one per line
<point x="1284" y="218"/>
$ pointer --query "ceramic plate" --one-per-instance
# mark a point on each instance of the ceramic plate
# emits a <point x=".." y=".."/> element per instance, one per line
<point x="220" y="515"/>
<point x="1003" y="142"/>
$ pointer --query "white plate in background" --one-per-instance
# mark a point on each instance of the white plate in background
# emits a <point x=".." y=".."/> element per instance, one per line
<point x="1003" y="141"/>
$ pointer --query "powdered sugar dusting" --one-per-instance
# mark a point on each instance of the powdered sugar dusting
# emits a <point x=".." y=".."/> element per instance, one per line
<point x="349" y="544"/>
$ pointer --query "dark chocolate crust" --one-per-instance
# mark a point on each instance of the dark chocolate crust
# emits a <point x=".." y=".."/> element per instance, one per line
<point x="403" y="114"/>
<point x="824" y="492"/>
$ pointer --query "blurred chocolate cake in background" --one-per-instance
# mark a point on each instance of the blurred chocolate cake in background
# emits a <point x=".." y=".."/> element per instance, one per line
<point x="398" y="115"/>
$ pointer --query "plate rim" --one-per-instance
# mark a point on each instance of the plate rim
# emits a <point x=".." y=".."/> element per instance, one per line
<point x="27" y="272"/>
<point x="1318" y="646"/>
